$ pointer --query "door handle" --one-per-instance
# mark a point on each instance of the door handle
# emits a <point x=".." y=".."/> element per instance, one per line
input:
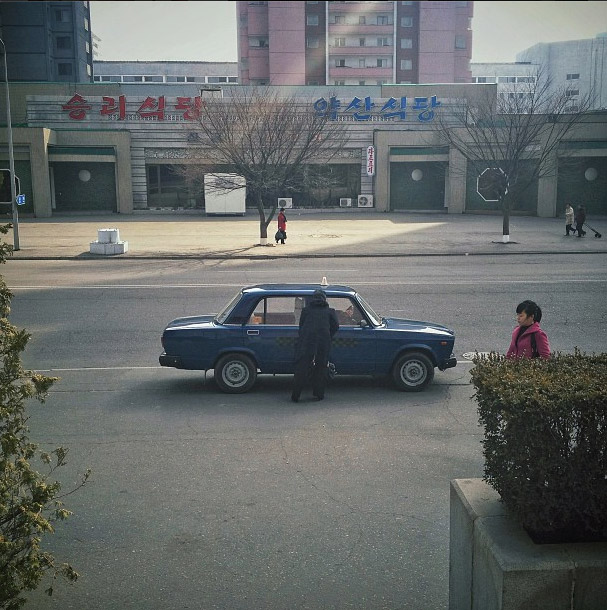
<point x="252" y="332"/>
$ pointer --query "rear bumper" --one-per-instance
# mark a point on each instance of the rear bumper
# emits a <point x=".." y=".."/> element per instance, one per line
<point x="448" y="364"/>
<point x="172" y="361"/>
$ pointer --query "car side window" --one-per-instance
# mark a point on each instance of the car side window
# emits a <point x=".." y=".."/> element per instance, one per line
<point x="277" y="311"/>
<point x="348" y="312"/>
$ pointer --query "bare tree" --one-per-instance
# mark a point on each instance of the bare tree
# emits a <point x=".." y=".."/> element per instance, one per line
<point x="277" y="144"/>
<point x="510" y="140"/>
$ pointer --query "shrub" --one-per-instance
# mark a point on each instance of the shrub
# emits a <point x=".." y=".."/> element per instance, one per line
<point x="30" y="501"/>
<point x="545" y="441"/>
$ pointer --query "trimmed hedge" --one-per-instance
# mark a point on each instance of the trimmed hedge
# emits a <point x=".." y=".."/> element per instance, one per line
<point x="545" y="441"/>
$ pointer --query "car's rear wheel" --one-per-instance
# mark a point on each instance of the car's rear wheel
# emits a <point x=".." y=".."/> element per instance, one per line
<point x="412" y="372"/>
<point x="235" y="373"/>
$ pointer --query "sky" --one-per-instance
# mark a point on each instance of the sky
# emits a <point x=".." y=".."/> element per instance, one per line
<point x="190" y="30"/>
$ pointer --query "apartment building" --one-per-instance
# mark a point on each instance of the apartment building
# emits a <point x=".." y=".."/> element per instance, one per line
<point x="354" y="43"/>
<point x="47" y="41"/>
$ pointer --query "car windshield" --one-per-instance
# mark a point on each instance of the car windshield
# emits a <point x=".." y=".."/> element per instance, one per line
<point x="221" y="317"/>
<point x="376" y="320"/>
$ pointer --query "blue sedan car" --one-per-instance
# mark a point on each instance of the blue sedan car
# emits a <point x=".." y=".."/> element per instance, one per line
<point x="257" y="330"/>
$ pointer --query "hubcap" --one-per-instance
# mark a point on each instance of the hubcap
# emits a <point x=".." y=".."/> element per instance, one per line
<point x="413" y="372"/>
<point x="235" y="374"/>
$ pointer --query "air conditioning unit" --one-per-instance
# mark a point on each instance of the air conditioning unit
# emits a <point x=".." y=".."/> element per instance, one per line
<point x="285" y="202"/>
<point x="345" y="202"/>
<point x="365" y="201"/>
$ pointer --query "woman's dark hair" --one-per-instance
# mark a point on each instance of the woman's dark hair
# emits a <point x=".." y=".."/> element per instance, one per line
<point x="531" y="309"/>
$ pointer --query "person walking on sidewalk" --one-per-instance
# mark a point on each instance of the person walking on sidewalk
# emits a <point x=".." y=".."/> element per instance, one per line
<point x="569" y="215"/>
<point x="528" y="339"/>
<point x="580" y="219"/>
<point x="282" y="226"/>
<point x="317" y="325"/>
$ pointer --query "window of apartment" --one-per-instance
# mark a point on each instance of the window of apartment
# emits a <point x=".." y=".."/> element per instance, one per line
<point x="382" y="82"/>
<point x="258" y="42"/>
<point x="244" y="62"/>
<point x="153" y="79"/>
<point x="86" y="24"/>
<point x="573" y="76"/>
<point x="217" y="79"/>
<point x="572" y="92"/>
<point x="339" y="82"/>
<point x="406" y="64"/>
<point x="313" y="82"/>
<point x="340" y="19"/>
<point x="340" y="42"/>
<point x="257" y="3"/>
<point x="175" y="79"/>
<point x="340" y="63"/>
<point x="312" y="2"/>
<point x="63" y="42"/>
<point x="232" y="79"/>
<point x="244" y="19"/>
<point x="461" y="4"/>
<point x="407" y="3"/>
<point x="406" y="22"/>
<point x="89" y="70"/>
<point x="361" y="83"/>
<point x="506" y="79"/>
<point x="87" y="46"/>
<point x="460" y="42"/>
<point x="362" y="63"/>
<point x="382" y="63"/>
<point x="406" y="43"/>
<point x="132" y="79"/>
<point x="64" y="69"/>
<point x="361" y="42"/>
<point x="525" y="79"/>
<point x="362" y="20"/>
<point x="383" y="42"/>
<point x="62" y="15"/>
<point x="312" y="43"/>
<point x="312" y="20"/>
<point x="382" y="20"/>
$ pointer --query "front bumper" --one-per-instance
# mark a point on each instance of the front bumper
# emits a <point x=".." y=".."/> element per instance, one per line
<point x="172" y="361"/>
<point x="448" y="364"/>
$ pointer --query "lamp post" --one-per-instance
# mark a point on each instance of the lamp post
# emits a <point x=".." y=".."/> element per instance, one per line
<point x="11" y="155"/>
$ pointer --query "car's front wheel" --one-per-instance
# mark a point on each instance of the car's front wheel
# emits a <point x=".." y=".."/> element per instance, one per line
<point x="412" y="372"/>
<point x="235" y="373"/>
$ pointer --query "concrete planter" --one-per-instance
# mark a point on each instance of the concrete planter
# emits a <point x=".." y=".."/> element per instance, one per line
<point x="494" y="564"/>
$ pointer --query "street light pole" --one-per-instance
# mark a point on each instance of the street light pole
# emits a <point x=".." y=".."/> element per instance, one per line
<point x="11" y="155"/>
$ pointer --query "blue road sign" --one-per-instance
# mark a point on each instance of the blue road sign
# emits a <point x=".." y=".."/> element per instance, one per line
<point x="20" y="199"/>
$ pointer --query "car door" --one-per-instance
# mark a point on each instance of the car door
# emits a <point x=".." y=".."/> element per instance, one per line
<point x="271" y="332"/>
<point x="353" y="349"/>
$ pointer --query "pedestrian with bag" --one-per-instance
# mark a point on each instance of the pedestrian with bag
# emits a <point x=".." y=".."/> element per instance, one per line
<point x="528" y="339"/>
<point x="317" y="325"/>
<point x="281" y="234"/>
<point x="580" y="219"/>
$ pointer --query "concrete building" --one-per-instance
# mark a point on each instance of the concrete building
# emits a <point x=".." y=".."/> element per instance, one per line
<point x="47" y="41"/>
<point x="202" y="72"/>
<point x="577" y="67"/>
<point x="354" y="43"/>
<point x="99" y="147"/>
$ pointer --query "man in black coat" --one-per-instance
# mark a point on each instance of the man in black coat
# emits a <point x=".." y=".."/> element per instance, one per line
<point x="317" y="325"/>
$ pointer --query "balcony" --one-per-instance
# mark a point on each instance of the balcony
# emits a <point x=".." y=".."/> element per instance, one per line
<point x="357" y="50"/>
<point x="361" y="7"/>
<point x="360" y="73"/>
<point x="355" y="29"/>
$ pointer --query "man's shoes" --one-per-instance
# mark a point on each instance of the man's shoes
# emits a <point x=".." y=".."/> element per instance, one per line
<point x="295" y="397"/>
<point x="318" y="396"/>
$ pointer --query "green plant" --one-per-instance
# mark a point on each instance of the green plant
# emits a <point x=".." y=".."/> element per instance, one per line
<point x="30" y="501"/>
<point x="545" y="441"/>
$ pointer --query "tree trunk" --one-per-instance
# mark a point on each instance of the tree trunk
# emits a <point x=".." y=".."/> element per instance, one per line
<point x="506" y="220"/>
<point x="263" y="224"/>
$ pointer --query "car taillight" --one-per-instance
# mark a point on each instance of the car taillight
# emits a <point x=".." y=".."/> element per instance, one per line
<point x="162" y="341"/>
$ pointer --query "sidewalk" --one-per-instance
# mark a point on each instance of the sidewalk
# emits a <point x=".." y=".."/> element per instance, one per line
<point x="310" y="234"/>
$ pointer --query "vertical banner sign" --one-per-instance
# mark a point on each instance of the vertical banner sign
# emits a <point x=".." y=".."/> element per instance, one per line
<point x="370" y="161"/>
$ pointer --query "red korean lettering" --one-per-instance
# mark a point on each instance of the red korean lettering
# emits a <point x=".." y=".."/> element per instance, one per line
<point x="77" y="108"/>
<point x="152" y="107"/>
<point x="109" y="106"/>
<point x="192" y="110"/>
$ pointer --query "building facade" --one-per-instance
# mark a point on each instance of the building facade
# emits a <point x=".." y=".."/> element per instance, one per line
<point x="47" y="41"/>
<point x="354" y="43"/>
<point x="201" y="72"/>
<point x="576" y="67"/>
<point x="116" y="147"/>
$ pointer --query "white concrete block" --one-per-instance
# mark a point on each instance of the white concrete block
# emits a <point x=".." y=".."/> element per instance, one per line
<point x="97" y="247"/>
<point x="108" y="236"/>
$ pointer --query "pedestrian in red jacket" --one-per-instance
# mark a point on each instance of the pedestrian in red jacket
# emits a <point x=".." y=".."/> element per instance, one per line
<point x="282" y="226"/>
<point x="528" y="339"/>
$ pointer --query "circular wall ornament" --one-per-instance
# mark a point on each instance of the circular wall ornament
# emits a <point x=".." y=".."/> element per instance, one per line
<point x="590" y="174"/>
<point x="417" y="175"/>
<point x="84" y="175"/>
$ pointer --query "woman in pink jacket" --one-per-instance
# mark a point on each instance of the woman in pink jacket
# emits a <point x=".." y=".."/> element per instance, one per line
<point x="528" y="339"/>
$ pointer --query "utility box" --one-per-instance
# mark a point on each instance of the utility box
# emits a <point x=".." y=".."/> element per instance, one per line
<point x="226" y="202"/>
